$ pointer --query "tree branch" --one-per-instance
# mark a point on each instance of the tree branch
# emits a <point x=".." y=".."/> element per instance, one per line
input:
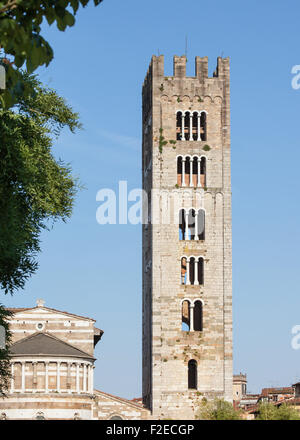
<point x="11" y="4"/>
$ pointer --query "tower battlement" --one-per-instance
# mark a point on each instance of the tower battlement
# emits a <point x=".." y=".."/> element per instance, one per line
<point x="156" y="68"/>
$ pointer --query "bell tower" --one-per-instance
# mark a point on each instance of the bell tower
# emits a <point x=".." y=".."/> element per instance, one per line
<point x="187" y="289"/>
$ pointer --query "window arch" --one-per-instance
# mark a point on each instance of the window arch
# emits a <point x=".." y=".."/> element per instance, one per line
<point x="40" y="416"/>
<point x="200" y="225"/>
<point x="192" y="374"/>
<point x="185" y="315"/>
<point x="203" y="130"/>
<point x="115" y="418"/>
<point x="198" y="316"/>
<point x="182" y="225"/>
<point x="186" y="126"/>
<point x="201" y="271"/>
<point x="179" y="126"/>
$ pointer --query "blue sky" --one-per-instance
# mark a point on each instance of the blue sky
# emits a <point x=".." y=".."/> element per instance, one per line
<point x="94" y="270"/>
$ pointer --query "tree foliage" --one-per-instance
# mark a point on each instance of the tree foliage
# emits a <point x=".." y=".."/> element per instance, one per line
<point x="21" y="36"/>
<point x="4" y="353"/>
<point x="35" y="188"/>
<point x="268" y="411"/>
<point x="217" y="409"/>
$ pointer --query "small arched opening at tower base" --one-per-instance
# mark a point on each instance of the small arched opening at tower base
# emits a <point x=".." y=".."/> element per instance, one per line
<point x="178" y="126"/>
<point x="203" y="126"/>
<point x="115" y="417"/>
<point x="182" y="225"/>
<point x="40" y="416"/>
<point x="192" y="374"/>
<point x="185" y="316"/>
<point x="201" y="225"/>
<point x="198" y="316"/>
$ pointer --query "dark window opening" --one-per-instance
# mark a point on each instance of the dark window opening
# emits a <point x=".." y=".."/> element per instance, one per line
<point x="181" y="224"/>
<point x="201" y="271"/>
<point x="185" y="326"/>
<point x="203" y="126"/>
<point x="192" y="374"/>
<point x="178" y="125"/>
<point x="198" y="316"/>
<point x="201" y="224"/>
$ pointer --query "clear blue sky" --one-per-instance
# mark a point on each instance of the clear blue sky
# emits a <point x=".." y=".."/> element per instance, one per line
<point x="95" y="270"/>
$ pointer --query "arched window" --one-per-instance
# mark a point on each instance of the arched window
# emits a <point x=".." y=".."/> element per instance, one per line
<point x="192" y="374"/>
<point x="192" y="270"/>
<point x="179" y="126"/>
<point x="183" y="270"/>
<point x="185" y="316"/>
<point x="116" y="418"/>
<point x="203" y="130"/>
<point x="201" y="225"/>
<point x="203" y="172"/>
<point x="195" y="171"/>
<point x="195" y="126"/>
<point x="181" y="224"/>
<point x="198" y="316"/>
<point x="179" y="171"/>
<point x="191" y="225"/>
<point x="201" y="270"/>
<point x="186" y="126"/>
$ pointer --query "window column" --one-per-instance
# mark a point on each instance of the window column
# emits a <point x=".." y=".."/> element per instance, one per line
<point x="23" y="377"/>
<point x="196" y="226"/>
<point x="196" y="281"/>
<point x="12" y="383"/>
<point x="58" y="377"/>
<point x="191" y="126"/>
<point x="69" y="365"/>
<point x="199" y="127"/>
<point x="182" y="127"/>
<point x="192" y="317"/>
<point x="46" y="376"/>
<point x="77" y="378"/>
<point x="84" y="378"/>
<point x="91" y="379"/>
<point x="186" y="231"/>
<point x="188" y="271"/>
<point x="183" y="172"/>
<point x="198" y="172"/>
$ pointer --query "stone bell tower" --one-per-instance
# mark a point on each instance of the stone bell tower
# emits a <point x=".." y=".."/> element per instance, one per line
<point x="187" y="292"/>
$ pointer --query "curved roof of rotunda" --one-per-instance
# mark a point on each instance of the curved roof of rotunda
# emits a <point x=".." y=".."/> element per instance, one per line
<point x="44" y="344"/>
